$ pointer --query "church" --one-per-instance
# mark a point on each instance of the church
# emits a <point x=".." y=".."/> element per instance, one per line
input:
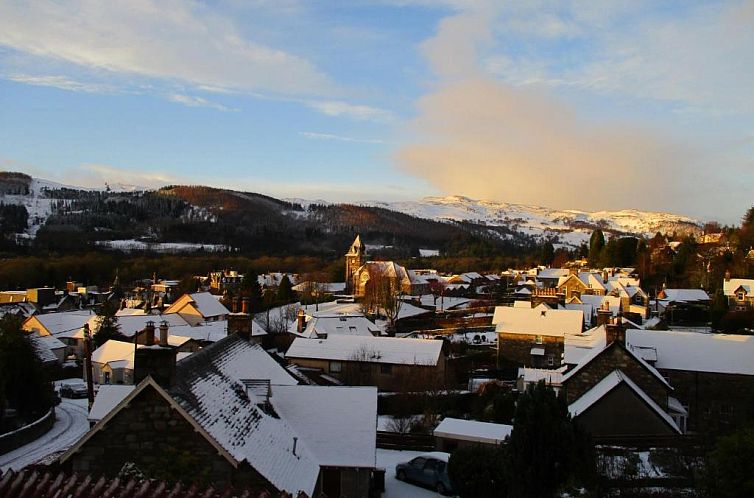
<point x="359" y="272"/>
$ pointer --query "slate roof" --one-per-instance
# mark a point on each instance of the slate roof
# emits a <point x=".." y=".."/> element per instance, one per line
<point x="730" y="286"/>
<point x="208" y="388"/>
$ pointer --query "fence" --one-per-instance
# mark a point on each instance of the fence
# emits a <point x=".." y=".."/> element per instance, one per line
<point x="409" y="441"/>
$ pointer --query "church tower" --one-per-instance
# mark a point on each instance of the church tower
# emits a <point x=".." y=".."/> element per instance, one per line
<point x="355" y="258"/>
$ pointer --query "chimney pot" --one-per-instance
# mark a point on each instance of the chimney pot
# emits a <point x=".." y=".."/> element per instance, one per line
<point x="149" y="333"/>
<point x="245" y="305"/>
<point x="163" y="333"/>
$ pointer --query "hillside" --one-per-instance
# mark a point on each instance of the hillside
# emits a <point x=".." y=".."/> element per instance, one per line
<point x="190" y="218"/>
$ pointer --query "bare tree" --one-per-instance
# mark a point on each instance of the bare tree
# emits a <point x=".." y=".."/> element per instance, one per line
<point x="437" y="289"/>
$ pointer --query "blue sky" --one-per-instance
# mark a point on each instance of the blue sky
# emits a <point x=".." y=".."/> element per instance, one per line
<point x="574" y="104"/>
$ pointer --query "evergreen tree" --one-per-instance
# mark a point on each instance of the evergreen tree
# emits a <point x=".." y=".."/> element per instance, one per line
<point x="547" y="253"/>
<point x="547" y="450"/>
<point x="108" y="323"/>
<point x="730" y="467"/>
<point x="24" y="383"/>
<point x="479" y="472"/>
<point x="285" y="290"/>
<point x="596" y="243"/>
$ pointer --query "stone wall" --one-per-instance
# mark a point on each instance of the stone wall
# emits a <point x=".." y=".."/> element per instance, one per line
<point x="162" y="444"/>
<point x="717" y="402"/>
<point x="615" y="357"/>
<point x="517" y="348"/>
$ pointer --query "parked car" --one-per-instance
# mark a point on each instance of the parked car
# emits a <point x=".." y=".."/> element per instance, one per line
<point x="76" y="391"/>
<point x="429" y="469"/>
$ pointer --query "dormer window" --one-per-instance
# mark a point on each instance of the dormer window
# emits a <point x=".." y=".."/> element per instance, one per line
<point x="741" y="295"/>
<point x="538" y="339"/>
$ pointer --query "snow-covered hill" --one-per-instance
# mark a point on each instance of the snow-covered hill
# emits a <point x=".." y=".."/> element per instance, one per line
<point x="572" y="227"/>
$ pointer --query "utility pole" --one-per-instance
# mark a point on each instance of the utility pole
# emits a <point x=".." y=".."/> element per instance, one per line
<point x="88" y="365"/>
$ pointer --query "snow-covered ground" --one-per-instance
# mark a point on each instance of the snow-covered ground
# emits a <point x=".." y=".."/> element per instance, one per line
<point x="572" y="226"/>
<point x="70" y="425"/>
<point x="394" y="488"/>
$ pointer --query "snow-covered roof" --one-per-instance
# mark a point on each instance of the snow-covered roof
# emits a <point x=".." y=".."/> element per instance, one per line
<point x="113" y="350"/>
<point x="370" y="349"/>
<point x="730" y="286"/>
<point x="43" y="348"/>
<point x="697" y="352"/>
<point x="471" y="430"/>
<point x="552" y="273"/>
<point x="129" y="312"/>
<point x="684" y="295"/>
<point x="338" y="423"/>
<point x="607" y="384"/>
<point x="108" y="396"/>
<point x="336" y="324"/>
<point x="577" y="347"/>
<point x="208" y="305"/>
<point x="208" y="386"/>
<point x="129" y="325"/>
<point x="537" y="321"/>
<point x="63" y="322"/>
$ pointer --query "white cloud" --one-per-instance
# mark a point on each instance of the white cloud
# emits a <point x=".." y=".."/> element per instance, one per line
<point x="175" y="40"/>
<point x="194" y="101"/>
<point x="63" y="83"/>
<point x="338" y="138"/>
<point x="358" y="112"/>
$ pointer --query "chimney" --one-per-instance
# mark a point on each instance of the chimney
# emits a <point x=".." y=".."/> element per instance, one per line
<point x="300" y="321"/>
<point x="604" y="276"/>
<point x="603" y="315"/>
<point x="727" y="275"/>
<point x="163" y="333"/>
<point x="157" y="362"/>
<point x="149" y="333"/>
<point x="245" y="305"/>
<point x="234" y="307"/>
<point x="240" y="323"/>
<point x="616" y="332"/>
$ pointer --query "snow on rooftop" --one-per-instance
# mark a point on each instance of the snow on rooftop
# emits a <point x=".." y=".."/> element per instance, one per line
<point x="113" y="350"/>
<point x="607" y="384"/>
<point x="391" y="350"/>
<point x="129" y="325"/>
<point x="336" y="324"/>
<point x="108" y="397"/>
<point x="63" y="322"/>
<point x="693" y="351"/>
<point x="537" y="321"/>
<point x="684" y="295"/>
<point x="339" y="424"/>
<point x="730" y="286"/>
<point x="471" y="430"/>
<point x="208" y="305"/>
<point x="209" y="388"/>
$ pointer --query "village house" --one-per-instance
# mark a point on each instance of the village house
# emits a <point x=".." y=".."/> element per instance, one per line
<point x="199" y="307"/>
<point x="613" y="391"/>
<point x="391" y="364"/>
<point x="739" y="292"/>
<point x="535" y="337"/>
<point x="230" y="414"/>
<point x="223" y="281"/>
<point x="65" y="326"/>
<point x="683" y="305"/>
<point x="713" y="374"/>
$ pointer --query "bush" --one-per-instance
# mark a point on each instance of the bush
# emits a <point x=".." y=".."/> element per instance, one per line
<point x="479" y="472"/>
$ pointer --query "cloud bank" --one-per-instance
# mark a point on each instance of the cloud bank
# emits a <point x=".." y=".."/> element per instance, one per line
<point x="481" y="135"/>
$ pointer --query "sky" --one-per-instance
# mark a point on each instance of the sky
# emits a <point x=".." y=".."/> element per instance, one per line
<point x="569" y="104"/>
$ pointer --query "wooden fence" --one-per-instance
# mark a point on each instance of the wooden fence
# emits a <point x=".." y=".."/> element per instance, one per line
<point x="409" y="441"/>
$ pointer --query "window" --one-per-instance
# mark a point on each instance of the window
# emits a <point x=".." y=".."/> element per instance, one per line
<point x="550" y="360"/>
<point x="418" y="462"/>
<point x="538" y="339"/>
<point x="741" y="296"/>
<point x="386" y="369"/>
<point x="336" y="367"/>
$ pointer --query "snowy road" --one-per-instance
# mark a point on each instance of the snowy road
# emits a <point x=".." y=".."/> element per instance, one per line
<point x="70" y="425"/>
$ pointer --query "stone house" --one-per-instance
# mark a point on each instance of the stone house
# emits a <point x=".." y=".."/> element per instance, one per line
<point x="535" y="337"/>
<point x="713" y="374"/>
<point x="199" y="307"/>
<point x="230" y="414"/>
<point x="389" y="363"/>
<point x="615" y="392"/>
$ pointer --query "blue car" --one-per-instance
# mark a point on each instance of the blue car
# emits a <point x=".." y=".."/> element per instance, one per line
<point x="429" y="469"/>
